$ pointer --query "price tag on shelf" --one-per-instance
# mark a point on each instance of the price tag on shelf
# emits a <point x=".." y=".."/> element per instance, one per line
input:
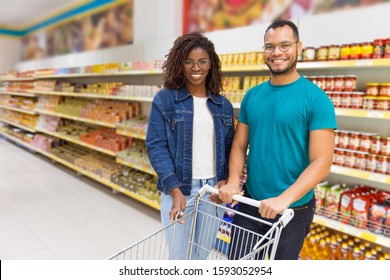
<point x="379" y="177"/>
<point x="368" y="236"/>
<point x="375" y="114"/>
<point x="364" y="62"/>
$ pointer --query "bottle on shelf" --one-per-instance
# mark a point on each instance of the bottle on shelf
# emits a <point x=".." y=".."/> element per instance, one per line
<point x="357" y="254"/>
<point x="368" y="256"/>
<point x="323" y="251"/>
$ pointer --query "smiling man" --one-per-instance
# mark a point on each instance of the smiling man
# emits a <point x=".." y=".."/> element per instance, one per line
<point x="289" y="125"/>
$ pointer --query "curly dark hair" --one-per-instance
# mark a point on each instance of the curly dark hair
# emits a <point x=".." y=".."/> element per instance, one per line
<point x="173" y="67"/>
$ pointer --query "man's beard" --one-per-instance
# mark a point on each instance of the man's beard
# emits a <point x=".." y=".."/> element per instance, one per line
<point x="288" y="69"/>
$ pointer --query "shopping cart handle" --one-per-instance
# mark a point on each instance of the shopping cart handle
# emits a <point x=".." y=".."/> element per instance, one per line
<point x="286" y="215"/>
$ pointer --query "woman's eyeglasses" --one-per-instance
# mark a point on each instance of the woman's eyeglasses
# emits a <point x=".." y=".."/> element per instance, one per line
<point x="189" y="63"/>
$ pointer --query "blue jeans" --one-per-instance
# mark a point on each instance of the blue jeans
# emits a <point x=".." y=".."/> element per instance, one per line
<point x="204" y="236"/>
<point x="291" y="239"/>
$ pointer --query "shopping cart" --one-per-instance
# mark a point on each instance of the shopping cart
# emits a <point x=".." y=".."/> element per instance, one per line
<point x="201" y="235"/>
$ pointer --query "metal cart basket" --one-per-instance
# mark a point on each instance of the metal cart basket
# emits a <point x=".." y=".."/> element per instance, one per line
<point x="206" y="236"/>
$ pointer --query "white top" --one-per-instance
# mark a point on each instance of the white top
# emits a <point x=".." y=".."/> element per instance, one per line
<point x="203" y="141"/>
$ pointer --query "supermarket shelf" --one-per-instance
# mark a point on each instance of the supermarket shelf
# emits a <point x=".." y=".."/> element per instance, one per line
<point x="19" y="110"/>
<point x="98" y="96"/>
<point x="78" y="142"/>
<point x="351" y="230"/>
<point x="359" y="63"/>
<point x="16" y="93"/>
<point x="130" y="134"/>
<point x="120" y="73"/>
<point x="16" y="140"/>
<point x="18" y="125"/>
<point x="86" y="173"/>
<point x="361" y="174"/>
<point x="132" y="165"/>
<point x="9" y="79"/>
<point x="374" y="114"/>
<point x="75" y="118"/>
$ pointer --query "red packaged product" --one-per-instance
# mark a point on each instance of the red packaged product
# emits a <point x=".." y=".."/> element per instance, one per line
<point x="359" y="212"/>
<point x="346" y="206"/>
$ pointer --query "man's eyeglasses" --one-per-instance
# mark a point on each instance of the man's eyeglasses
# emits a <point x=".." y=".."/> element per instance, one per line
<point x="283" y="47"/>
<point x="189" y="63"/>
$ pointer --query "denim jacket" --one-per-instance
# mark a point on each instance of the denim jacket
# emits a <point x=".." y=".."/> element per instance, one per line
<point x="169" y="137"/>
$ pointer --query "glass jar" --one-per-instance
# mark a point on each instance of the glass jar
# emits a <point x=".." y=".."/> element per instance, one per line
<point x="371" y="163"/>
<point x="321" y="82"/>
<point x="387" y="48"/>
<point x="367" y="50"/>
<point x="338" y="157"/>
<point x="360" y="160"/>
<point x="346" y="100"/>
<point x="379" y="48"/>
<point x="354" y="140"/>
<point x="334" y="52"/>
<point x="329" y="83"/>
<point x="365" y="141"/>
<point x="375" y="145"/>
<point x="381" y="104"/>
<point x="350" y="83"/>
<point x="336" y="99"/>
<point x="372" y="89"/>
<point x="345" y="51"/>
<point x="381" y="164"/>
<point x="339" y="83"/>
<point x="385" y="146"/>
<point x="322" y="53"/>
<point x="336" y="138"/>
<point x="309" y="54"/>
<point x="349" y="158"/>
<point x="357" y="100"/>
<point x="355" y="51"/>
<point x="343" y="139"/>
<point x="384" y="89"/>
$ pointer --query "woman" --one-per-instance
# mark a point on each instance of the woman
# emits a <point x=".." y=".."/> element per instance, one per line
<point x="189" y="135"/>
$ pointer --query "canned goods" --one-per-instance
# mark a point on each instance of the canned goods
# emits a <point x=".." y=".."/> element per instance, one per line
<point x="357" y="100"/>
<point x="321" y="82"/>
<point x="381" y="162"/>
<point x="354" y="140"/>
<point x="349" y="158"/>
<point x="385" y="146"/>
<point x="343" y="139"/>
<point x="345" y="100"/>
<point x="360" y="160"/>
<point x="365" y="141"/>
<point x="338" y="157"/>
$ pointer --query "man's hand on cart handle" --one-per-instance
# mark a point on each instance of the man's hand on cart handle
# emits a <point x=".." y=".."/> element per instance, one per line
<point x="227" y="191"/>
<point x="178" y="205"/>
<point x="271" y="207"/>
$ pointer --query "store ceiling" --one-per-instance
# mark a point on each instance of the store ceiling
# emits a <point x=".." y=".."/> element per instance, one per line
<point x="22" y="13"/>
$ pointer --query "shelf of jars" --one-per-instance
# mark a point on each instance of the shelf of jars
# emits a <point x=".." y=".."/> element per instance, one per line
<point x="374" y="114"/>
<point x="107" y="74"/>
<point x="98" y="96"/>
<point x="358" y="63"/>
<point x="354" y="226"/>
<point x="137" y="166"/>
<point x="17" y="93"/>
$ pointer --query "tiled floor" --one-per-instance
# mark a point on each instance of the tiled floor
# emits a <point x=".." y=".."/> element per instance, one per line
<point x="48" y="212"/>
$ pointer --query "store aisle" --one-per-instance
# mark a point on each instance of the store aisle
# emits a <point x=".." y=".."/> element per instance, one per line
<point x="48" y="212"/>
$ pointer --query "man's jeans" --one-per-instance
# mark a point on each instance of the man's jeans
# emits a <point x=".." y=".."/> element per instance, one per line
<point x="291" y="239"/>
<point x="204" y="235"/>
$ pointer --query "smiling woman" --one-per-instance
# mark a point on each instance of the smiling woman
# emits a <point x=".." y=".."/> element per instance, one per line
<point x="189" y="136"/>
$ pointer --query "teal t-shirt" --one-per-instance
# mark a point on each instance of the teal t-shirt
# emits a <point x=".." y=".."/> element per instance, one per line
<point x="279" y="120"/>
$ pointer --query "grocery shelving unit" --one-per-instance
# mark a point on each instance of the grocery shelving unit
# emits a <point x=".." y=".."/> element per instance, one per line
<point x="307" y="67"/>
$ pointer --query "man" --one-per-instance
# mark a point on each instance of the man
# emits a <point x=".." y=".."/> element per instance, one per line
<point x="289" y="125"/>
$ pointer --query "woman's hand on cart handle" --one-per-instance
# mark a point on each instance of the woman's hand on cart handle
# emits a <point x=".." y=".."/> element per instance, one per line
<point x="214" y="197"/>
<point x="178" y="205"/>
